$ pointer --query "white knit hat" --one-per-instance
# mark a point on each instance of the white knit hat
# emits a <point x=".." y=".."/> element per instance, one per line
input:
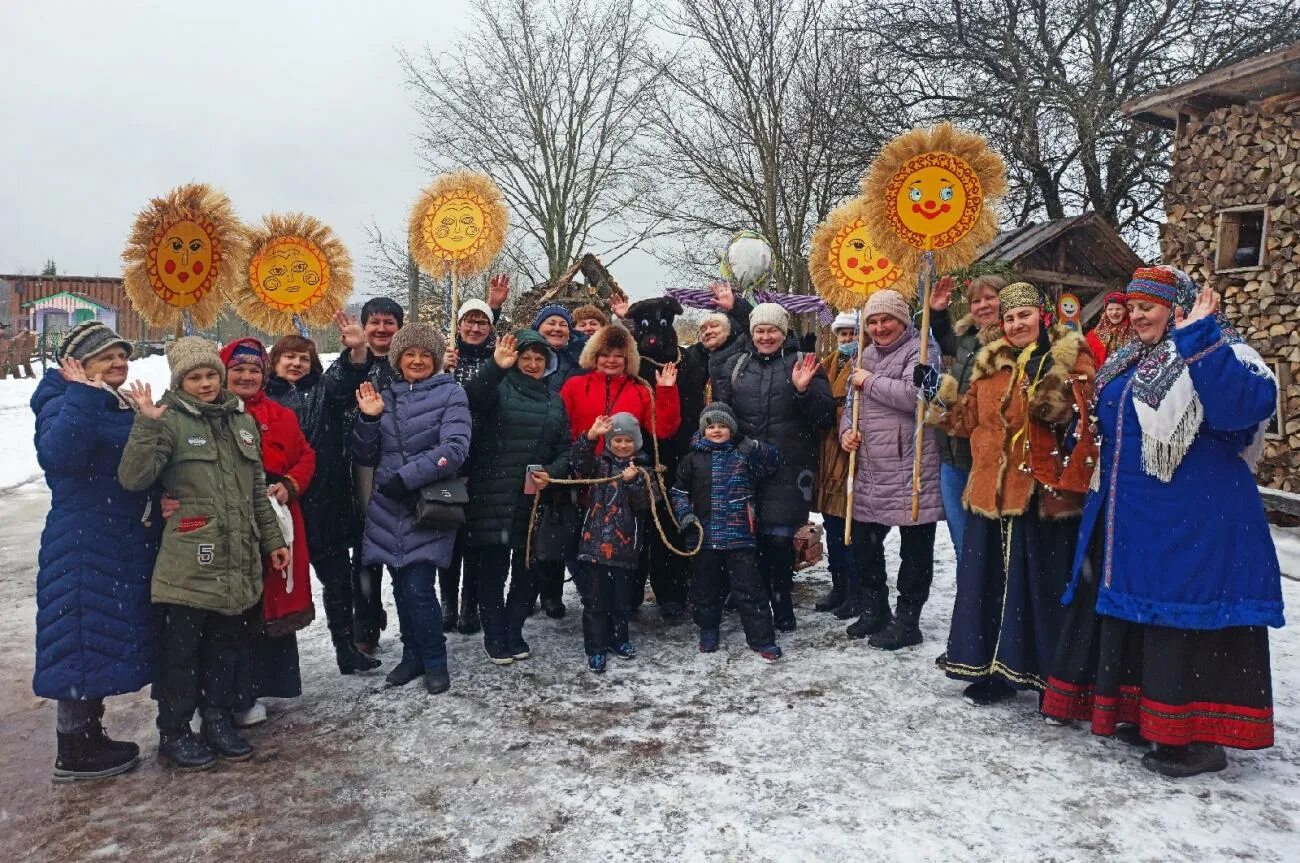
<point x="845" y="321"/>
<point x="769" y="313"/>
<point x="473" y="306"/>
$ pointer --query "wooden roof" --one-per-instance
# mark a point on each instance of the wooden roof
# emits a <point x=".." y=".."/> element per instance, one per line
<point x="1260" y="77"/>
<point x="80" y="298"/>
<point x="1080" y="252"/>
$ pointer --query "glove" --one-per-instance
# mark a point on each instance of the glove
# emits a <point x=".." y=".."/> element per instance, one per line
<point x="747" y="445"/>
<point x="688" y="520"/>
<point x="394" y="487"/>
<point x="926" y="379"/>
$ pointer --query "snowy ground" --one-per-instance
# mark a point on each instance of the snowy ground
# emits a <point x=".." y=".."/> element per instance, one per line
<point x="837" y="752"/>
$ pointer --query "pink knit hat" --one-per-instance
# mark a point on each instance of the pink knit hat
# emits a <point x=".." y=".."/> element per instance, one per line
<point x="889" y="303"/>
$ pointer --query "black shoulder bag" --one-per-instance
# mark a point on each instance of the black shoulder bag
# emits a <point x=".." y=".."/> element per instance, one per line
<point x="439" y="505"/>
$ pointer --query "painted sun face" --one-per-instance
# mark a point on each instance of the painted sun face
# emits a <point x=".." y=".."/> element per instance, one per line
<point x="937" y="200"/>
<point x="289" y="274"/>
<point x="182" y="263"/>
<point x="856" y="262"/>
<point x="454" y="226"/>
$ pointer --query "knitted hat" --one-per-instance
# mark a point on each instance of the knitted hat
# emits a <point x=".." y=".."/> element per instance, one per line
<point x="90" y="339"/>
<point x="719" y="412"/>
<point x="1116" y="297"/>
<point x="193" y="352"/>
<point x="473" y="306"/>
<point x="583" y="313"/>
<point x="769" y="313"/>
<point x="418" y="335"/>
<point x="244" y="351"/>
<point x="888" y="303"/>
<point x="1020" y="295"/>
<point x="845" y="321"/>
<point x="625" y="424"/>
<point x="551" y="312"/>
<point x="1154" y="284"/>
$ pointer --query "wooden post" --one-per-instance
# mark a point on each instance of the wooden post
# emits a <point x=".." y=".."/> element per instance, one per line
<point x="412" y="289"/>
<point x="455" y="300"/>
<point x="926" y="278"/>
<point x="857" y="413"/>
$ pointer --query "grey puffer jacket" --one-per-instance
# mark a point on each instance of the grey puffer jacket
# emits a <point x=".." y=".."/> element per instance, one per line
<point x="435" y="423"/>
<point x="882" y="485"/>
<point x="768" y="408"/>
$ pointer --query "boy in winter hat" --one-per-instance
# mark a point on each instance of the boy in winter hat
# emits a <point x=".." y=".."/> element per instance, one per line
<point x="612" y="534"/>
<point x="714" y="492"/>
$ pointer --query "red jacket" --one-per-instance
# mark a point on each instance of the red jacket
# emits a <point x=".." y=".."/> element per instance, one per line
<point x="594" y="394"/>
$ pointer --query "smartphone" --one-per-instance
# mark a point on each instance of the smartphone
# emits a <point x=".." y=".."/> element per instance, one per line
<point x="530" y="487"/>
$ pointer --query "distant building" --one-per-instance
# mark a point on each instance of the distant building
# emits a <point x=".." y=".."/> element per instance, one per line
<point x="55" y="304"/>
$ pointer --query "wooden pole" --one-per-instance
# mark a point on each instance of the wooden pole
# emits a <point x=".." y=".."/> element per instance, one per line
<point x="412" y="289"/>
<point x="455" y="299"/>
<point x="857" y="413"/>
<point x="926" y="278"/>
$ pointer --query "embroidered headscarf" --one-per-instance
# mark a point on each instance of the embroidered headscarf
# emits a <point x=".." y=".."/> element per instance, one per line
<point x="1168" y="409"/>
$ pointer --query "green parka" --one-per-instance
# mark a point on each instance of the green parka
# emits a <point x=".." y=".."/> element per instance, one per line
<point x="208" y="457"/>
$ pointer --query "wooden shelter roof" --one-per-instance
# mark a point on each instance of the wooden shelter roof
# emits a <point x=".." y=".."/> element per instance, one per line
<point x="1078" y="251"/>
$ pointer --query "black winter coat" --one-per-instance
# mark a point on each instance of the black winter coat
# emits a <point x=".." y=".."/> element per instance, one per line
<point x="379" y="372"/>
<point x="769" y="408"/>
<point x="613" y="528"/>
<point x="321" y="403"/>
<point x="521" y="422"/>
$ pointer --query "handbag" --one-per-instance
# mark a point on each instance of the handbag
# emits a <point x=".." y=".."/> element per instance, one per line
<point x="555" y="537"/>
<point x="440" y="505"/>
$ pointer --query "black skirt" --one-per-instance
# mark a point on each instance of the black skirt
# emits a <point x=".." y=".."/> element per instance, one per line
<point x="1008" y="615"/>
<point x="1178" y="686"/>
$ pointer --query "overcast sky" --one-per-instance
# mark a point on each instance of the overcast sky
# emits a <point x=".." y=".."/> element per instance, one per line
<point x="284" y="105"/>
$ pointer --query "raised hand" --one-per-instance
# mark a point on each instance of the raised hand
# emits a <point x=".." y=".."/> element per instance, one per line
<point x="351" y="335"/>
<point x="666" y="376"/>
<point x="1206" y="305"/>
<point x="141" y="394"/>
<point x="369" y="401"/>
<point x="498" y="290"/>
<point x="850" y="441"/>
<point x="803" y="373"/>
<point x="941" y="293"/>
<point x="723" y="294"/>
<point x="506" y="355"/>
<point x="75" y="373"/>
<point x="600" y="427"/>
<point x="618" y="304"/>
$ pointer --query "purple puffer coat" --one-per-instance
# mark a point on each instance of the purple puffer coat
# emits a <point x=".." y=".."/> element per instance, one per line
<point x="882" y="486"/>
<point x="434" y="414"/>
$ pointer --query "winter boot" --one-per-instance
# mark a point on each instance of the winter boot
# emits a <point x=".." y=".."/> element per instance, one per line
<point x="350" y="659"/>
<point x="708" y="641"/>
<point x="854" y="601"/>
<point x="900" y="632"/>
<point x="82" y="755"/>
<point x="497" y="652"/>
<point x="1179" y="762"/>
<point x="988" y="691"/>
<point x="437" y="680"/>
<point x="1127" y="732"/>
<point x="835" y="597"/>
<point x="254" y="715"/>
<point x="769" y="652"/>
<point x="450" y="619"/>
<point x="185" y="751"/>
<point x="596" y="663"/>
<point x="554" y="608"/>
<point x="783" y="610"/>
<point x="219" y="733"/>
<point x="469" y="620"/>
<point x="100" y="737"/>
<point x="518" y="648"/>
<point x="624" y="650"/>
<point x="875" y="616"/>
<point x="405" y="671"/>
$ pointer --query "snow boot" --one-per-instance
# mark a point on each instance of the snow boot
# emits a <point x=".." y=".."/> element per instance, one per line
<point x="518" y="648"/>
<point x="220" y="736"/>
<point x="835" y="597"/>
<point x="783" y="611"/>
<point x="988" y="691"/>
<point x="854" y="600"/>
<point x="596" y="663"/>
<point x="497" y="652"/>
<point x="900" y="632"/>
<point x="254" y="715"/>
<point x="350" y="659"/>
<point x="708" y="641"/>
<point x="99" y="736"/>
<point x="469" y="621"/>
<point x="185" y="751"/>
<point x="1179" y="762"/>
<point x="769" y="652"/>
<point x="87" y="755"/>
<point x="437" y="680"/>
<point x="875" y="616"/>
<point x="404" y="672"/>
<point x="624" y="650"/>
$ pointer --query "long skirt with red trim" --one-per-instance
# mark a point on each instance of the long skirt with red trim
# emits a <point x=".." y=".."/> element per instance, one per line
<point x="1178" y="686"/>
<point x="1008" y="614"/>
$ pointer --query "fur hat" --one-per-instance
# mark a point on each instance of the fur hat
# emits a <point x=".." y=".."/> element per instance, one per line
<point x="719" y="412"/>
<point x="473" y="306"/>
<point x="90" y="339"/>
<point x="611" y="337"/>
<point x="589" y="312"/>
<point x="417" y="335"/>
<point x="625" y="424"/>
<point x="553" y="311"/>
<point x="769" y="313"/>
<point x="890" y="303"/>
<point x="193" y="352"/>
<point x="845" y="321"/>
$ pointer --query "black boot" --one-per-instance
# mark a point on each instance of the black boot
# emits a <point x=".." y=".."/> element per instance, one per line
<point x="184" y="751"/>
<point x="875" y="615"/>
<point x="783" y="610"/>
<point x="350" y="659"/>
<point x="405" y="671"/>
<point x="98" y="735"/>
<point x="902" y="631"/>
<point x="988" y="691"/>
<point x="1179" y="762"/>
<point x="83" y="755"/>
<point x="436" y="680"/>
<point x="554" y="607"/>
<point x="854" y="602"/>
<point x="835" y="598"/>
<point x="219" y="733"/>
<point x="469" y="622"/>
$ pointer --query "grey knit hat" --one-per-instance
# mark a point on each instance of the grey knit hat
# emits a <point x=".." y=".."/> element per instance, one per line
<point x="719" y="412"/>
<point x="89" y="339"/>
<point x="193" y="352"/>
<point x="625" y="424"/>
<point x="769" y="313"/>
<point x="417" y="335"/>
<point x="889" y="303"/>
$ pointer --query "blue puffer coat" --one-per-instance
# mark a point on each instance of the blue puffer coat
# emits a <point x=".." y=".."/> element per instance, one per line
<point x="715" y="483"/>
<point x="435" y="422"/>
<point x="94" y="629"/>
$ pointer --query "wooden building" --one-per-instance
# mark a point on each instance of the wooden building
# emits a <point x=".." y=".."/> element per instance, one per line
<point x="1232" y="208"/>
<point x="586" y="282"/>
<point x="54" y="304"/>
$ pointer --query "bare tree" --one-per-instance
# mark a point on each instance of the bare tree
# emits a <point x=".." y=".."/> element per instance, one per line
<point x="547" y="97"/>
<point x="1045" y="79"/>
<point x="761" y="124"/>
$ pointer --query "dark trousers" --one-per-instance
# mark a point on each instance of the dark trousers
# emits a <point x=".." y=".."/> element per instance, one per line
<point x="839" y="557"/>
<point x="334" y="572"/>
<point x="419" y="614"/>
<point x="669" y="574"/>
<point x="550" y="579"/>
<point x="503" y="616"/>
<point x="712" y="569"/>
<point x="775" y="556"/>
<point x="198" y="656"/>
<point x="268" y="667"/>
<point x="368" y="613"/>
<point x="608" y="597"/>
<point x="458" y="581"/>
<point x="914" y="573"/>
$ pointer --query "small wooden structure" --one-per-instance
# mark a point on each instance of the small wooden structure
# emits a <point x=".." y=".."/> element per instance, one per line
<point x="1232" y="208"/>
<point x="64" y="310"/>
<point x="1082" y="255"/>
<point x="31" y="298"/>
<point x="585" y="282"/>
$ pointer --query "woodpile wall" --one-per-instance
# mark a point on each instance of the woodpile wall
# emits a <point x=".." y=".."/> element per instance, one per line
<point x="1242" y="156"/>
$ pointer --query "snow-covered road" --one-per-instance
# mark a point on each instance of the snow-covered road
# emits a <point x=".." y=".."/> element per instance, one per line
<point x="837" y="752"/>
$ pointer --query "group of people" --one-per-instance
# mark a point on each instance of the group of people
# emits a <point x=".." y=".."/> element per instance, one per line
<point x="491" y="469"/>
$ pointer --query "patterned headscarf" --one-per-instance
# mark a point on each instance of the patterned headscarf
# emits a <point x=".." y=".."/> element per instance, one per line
<point x="1112" y="335"/>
